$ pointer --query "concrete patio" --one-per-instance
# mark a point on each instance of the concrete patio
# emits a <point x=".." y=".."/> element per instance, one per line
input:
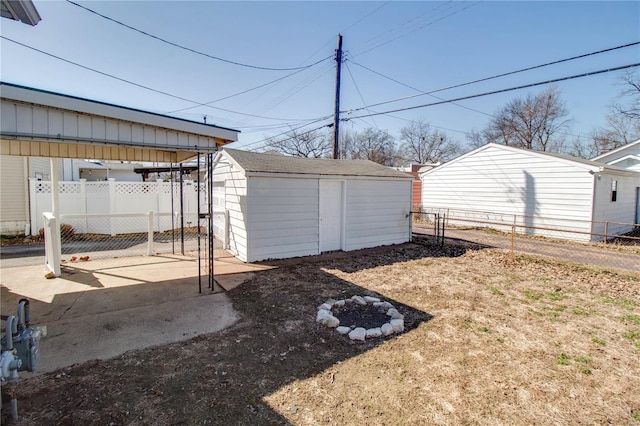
<point x="100" y="309"/>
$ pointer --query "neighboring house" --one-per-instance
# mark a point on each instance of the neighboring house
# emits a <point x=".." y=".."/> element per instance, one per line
<point x="15" y="173"/>
<point x="103" y="171"/>
<point x="414" y="170"/>
<point x="626" y="156"/>
<point x="536" y="190"/>
<point x="282" y="207"/>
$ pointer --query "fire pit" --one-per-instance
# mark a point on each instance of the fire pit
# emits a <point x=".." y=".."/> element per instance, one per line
<point x="361" y="317"/>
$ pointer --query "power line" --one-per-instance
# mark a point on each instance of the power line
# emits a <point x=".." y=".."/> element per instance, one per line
<point x="331" y="40"/>
<point x="358" y="90"/>
<point x="417" y="29"/>
<point x="494" y="92"/>
<point x="217" y="58"/>
<point x="421" y="92"/>
<point x="265" y="141"/>
<point x="488" y="78"/>
<point x="405" y="24"/>
<point x="141" y="85"/>
<point x="243" y="92"/>
<point x="291" y="91"/>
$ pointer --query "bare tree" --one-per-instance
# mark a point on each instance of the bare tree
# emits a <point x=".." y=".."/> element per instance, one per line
<point x="373" y="144"/>
<point x="623" y="121"/>
<point x="422" y="144"/>
<point x="630" y="81"/>
<point x="311" y="144"/>
<point x="532" y="122"/>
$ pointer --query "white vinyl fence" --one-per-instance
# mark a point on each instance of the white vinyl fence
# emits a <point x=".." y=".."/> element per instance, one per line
<point x="114" y="198"/>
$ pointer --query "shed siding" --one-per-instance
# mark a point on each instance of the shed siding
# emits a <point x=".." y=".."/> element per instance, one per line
<point x="377" y="213"/>
<point x="236" y="205"/>
<point x="13" y="193"/>
<point x="283" y="217"/>
<point x="515" y="183"/>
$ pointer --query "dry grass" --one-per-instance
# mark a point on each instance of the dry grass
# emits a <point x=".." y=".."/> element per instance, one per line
<point x="491" y="341"/>
<point x="535" y="342"/>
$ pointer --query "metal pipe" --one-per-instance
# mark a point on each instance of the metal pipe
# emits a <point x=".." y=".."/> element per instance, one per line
<point x="14" y="407"/>
<point x="27" y="317"/>
<point x="20" y="315"/>
<point x="9" y="332"/>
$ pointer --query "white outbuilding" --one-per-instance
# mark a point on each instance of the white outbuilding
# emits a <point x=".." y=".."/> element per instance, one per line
<point x="540" y="193"/>
<point x="626" y="156"/>
<point x="280" y="207"/>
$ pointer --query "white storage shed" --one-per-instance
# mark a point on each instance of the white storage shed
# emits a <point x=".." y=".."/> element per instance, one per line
<point x="280" y="207"/>
<point x="541" y="193"/>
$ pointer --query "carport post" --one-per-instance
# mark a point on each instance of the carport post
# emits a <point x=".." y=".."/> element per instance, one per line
<point x="55" y="209"/>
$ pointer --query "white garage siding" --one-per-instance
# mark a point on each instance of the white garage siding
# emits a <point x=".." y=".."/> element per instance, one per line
<point x="619" y="212"/>
<point x="377" y="213"/>
<point x="274" y="204"/>
<point x="283" y="217"/>
<point x="235" y="203"/>
<point x="535" y="189"/>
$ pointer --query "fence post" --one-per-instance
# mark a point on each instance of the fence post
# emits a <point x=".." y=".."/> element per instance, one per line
<point x="150" y="233"/>
<point x="513" y="239"/>
<point x="83" y="204"/>
<point x="226" y="229"/>
<point x="606" y="231"/>
<point x="34" y="207"/>
<point x="51" y="243"/>
<point x="112" y="203"/>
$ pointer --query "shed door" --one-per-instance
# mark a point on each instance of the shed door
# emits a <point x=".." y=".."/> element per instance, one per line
<point x="330" y="215"/>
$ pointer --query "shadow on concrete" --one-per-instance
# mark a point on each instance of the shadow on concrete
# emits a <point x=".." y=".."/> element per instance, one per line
<point x="223" y="377"/>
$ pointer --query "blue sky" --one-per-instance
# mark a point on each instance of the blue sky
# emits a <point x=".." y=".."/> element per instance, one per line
<point x="426" y="45"/>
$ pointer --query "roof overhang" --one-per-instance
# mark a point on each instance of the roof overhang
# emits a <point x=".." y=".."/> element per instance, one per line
<point x="20" y="10"/>
<point x="46" y="124"/>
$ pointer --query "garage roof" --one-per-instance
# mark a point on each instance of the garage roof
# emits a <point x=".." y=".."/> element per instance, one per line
<point x="254" y="162"/>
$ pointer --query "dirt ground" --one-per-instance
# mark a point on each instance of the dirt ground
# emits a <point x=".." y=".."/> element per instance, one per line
<point x="489" y="340"/>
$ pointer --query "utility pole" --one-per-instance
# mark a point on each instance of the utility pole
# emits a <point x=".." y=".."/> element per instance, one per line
<point x="336" y="115"/>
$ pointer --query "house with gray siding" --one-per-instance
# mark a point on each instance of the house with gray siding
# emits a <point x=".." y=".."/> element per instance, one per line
<point x="540" y="193"/>
<point x="280" y="207"/>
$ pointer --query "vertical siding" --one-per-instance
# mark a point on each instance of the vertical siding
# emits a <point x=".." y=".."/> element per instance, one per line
<point x="236" y="204"/>
<point x="514" y="183"/>
<point x="377" y="213"/>
<point x="13" y="193"/>
<point x="283" y="217"/>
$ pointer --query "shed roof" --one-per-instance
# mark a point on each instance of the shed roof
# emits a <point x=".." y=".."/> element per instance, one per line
<point x="276" y="163"/>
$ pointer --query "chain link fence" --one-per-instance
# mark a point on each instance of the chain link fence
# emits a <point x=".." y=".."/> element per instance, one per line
<point x="607" y="244"/>
<point x="118" y="236"/>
